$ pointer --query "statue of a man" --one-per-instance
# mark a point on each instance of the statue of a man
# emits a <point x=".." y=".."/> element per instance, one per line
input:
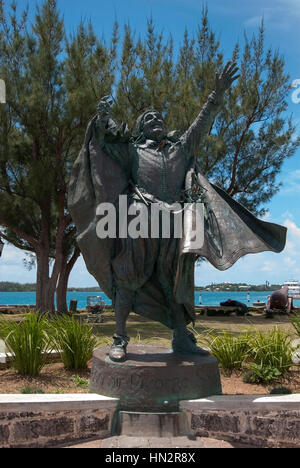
<point x="151" y="276"/>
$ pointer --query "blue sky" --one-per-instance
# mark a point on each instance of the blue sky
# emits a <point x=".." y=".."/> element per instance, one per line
<point x="229" y="19"/>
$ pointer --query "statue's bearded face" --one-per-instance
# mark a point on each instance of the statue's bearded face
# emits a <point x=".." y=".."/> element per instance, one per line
<point x="153" y="126"/>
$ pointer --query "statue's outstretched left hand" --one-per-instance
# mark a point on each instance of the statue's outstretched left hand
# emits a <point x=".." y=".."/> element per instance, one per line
<point x="225" y="79"/>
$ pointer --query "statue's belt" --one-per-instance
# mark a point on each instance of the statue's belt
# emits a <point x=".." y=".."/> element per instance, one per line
<point x="149" y="200"/>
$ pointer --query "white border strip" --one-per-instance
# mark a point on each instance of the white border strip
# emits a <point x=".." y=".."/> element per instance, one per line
<point x="241" y="402"/>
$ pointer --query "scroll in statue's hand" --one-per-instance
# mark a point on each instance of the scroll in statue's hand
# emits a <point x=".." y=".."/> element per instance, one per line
<point x="104" y="109"/>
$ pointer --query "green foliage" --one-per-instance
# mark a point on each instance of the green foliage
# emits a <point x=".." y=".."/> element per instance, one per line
<point x="295" y="322"/>
<point x="29" y="341"/>
<point x="231" y="351"/>
<point x="81" y="382"/>
<point x="7" y="286"/>
<point x="53" y="85"/>
<point x="271" y="350"/>
<point x="281" y="391"/>
<point x="75" y="341"/>
<point x="260" y="373"/>
<point x="32" y="391"/>
<point x="267" y="355"/>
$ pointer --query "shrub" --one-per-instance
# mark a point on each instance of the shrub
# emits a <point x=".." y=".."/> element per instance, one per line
<point x="271" y="350"/>
<point x="295" y="322"/>
<point x="81" y="382"/>
<point x="32" y="391"/>
<point x="261" y="374"/>
<point x="281" y="391"/>
<point x="29" y="341"/>
<point x="231" y="351"/>
<point x="74" y="340"/>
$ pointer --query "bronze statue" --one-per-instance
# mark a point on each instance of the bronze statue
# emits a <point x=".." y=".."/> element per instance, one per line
<point x="154" y="276"/>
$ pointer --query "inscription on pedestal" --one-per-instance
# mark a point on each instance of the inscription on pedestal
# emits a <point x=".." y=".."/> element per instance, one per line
<point x="152" y="377"/>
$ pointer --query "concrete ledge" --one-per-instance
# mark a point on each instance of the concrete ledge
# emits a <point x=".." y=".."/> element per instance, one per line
<point x="6" y="359"/>
<point x="50" y="420"/>
<point x="233" y="402"/>
<point x="257" y="420"/>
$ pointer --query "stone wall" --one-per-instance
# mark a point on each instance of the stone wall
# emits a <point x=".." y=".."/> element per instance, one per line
<point x="49" y="420"/>
<point x="258" y="421"/>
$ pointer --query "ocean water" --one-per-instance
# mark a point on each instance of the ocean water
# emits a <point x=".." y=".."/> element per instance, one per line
<point x="204" y="298"/>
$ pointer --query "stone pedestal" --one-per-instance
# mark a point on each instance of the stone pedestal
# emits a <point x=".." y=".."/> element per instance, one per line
<point x="154" y="379"/>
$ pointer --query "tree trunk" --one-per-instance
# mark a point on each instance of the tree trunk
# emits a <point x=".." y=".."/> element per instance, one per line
<point x="62" y="286"/>
<point x="44" y="301"/>
<point x="45" y="288"/>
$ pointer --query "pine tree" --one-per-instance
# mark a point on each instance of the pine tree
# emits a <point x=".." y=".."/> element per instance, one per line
<point x="53" y="85"/>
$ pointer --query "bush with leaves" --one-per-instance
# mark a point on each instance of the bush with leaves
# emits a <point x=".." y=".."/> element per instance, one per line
<point x="29" y="341"/>
<point x="272" y="349"/>
<point x="259" y="373"/>
<point x="75" y="341"/>
<point x="231" y="351"/>
<point x="295" y="322"/>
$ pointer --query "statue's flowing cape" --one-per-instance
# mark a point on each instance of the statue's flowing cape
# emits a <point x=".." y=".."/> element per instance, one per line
<point x="230" y="231"/>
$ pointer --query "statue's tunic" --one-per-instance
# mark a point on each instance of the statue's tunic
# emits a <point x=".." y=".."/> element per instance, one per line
<point x="158" y="170"/>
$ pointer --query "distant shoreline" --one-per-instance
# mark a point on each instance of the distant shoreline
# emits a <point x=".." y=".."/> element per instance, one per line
<point x="95" y="290"/>
<point x="7" y="287"/>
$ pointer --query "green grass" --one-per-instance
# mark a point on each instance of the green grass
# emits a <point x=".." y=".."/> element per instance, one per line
<point x="259" y="373"/>
<point x="271" y="349"/>
<point x="81" y="382"/>
<point x="229" y="338"/>
<point x="32" y="391"/>
<point x="295" y="322"/>
<point x="75" y="341"/>
<point x="28" y="341"/>
<point x="230" y="350"/>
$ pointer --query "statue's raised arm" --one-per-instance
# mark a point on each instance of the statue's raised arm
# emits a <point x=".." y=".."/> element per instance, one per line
<point x="105" y="123"/>
<point x="200" y="127"/>
<point x="112" y="138"/>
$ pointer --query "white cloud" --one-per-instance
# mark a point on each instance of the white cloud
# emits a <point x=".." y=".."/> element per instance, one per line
<point x="268" y="266"/>
<point x="288" y="215"/>
<point x="279" y="16"/>
<point x="291" y="183"/>
<point x="289" y="261"/>
<point x="294" y="230"/>
<point x="291" y="7"/>
<point x="12" y="266"/>
<point x="255" y="21"/>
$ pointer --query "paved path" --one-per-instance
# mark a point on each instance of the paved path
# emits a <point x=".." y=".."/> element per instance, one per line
<point x="156" y="442"/>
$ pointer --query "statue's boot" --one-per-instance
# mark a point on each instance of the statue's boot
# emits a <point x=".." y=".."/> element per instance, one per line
<point x="184" y="342"/>
<point x="117" y="352"/>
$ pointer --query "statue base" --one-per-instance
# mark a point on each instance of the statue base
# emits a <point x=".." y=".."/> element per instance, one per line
<point x="153" y="378"/>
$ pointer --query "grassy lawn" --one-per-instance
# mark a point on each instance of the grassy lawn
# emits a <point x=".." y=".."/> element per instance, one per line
<point x="145" y="331"/>
<point x="142" y="330"/>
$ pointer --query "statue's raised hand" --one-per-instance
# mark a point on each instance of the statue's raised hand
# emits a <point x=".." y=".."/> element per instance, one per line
<point x="104" y="109"/>
<point x="225" y="79"/>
